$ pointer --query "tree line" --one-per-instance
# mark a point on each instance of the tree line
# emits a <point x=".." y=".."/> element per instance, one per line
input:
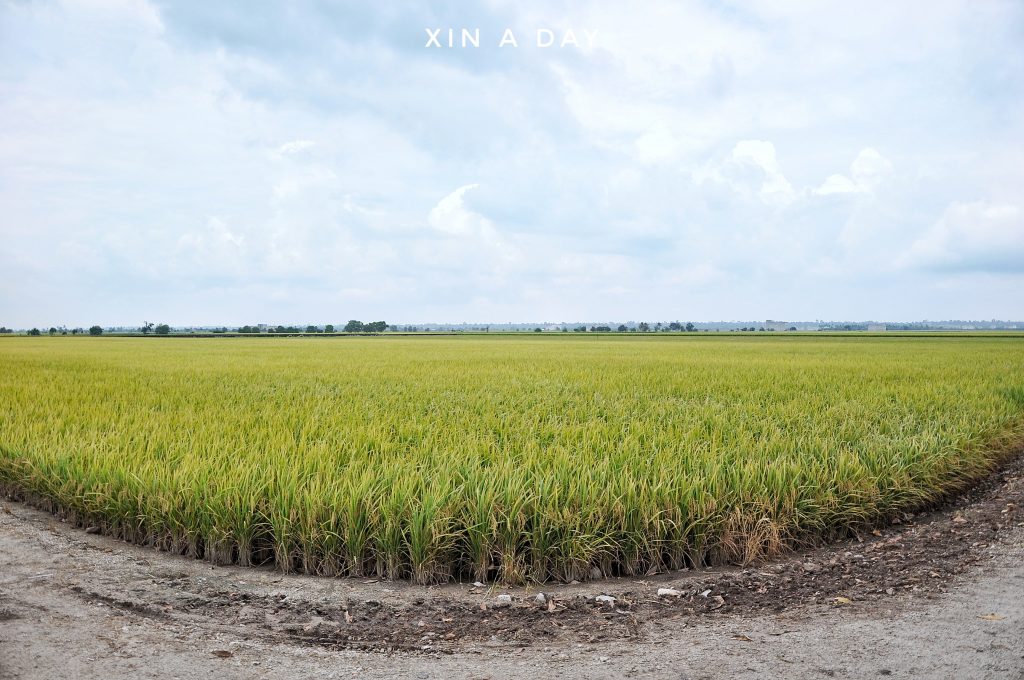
<point x="353" y="326"/>
<point x="94" y="330"/>
<point x="642" y="327"/>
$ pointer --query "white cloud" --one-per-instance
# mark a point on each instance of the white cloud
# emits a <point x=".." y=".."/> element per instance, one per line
<point x="215" y="246"/>
<point x="775" y="190"/>
<point x="451" y="216"/>
<point x="751" y="170"/>
<point x="868" y="170"/>
<point x="296" y="146"/>
<point x="976" y="236"/>
<point x="838" y="184"/>
<point x="478" y="245"/>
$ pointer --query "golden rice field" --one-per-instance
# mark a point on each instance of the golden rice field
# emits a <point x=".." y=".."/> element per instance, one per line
<point x="500" y="458"/>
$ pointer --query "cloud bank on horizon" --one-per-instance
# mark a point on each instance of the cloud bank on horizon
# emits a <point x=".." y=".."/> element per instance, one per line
<point x="202" y="163"/>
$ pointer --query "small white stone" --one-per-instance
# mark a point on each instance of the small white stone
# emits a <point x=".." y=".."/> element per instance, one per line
<point x="668" y="592"/>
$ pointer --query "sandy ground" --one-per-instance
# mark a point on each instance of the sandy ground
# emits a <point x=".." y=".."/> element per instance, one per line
<point x="941" y="596"/>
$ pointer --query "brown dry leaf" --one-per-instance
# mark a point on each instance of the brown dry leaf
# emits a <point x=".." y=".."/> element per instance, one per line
<point x="991" y="617"/>
<point x="222" y="653"/>
<point x="742" y="638"/>
<point x="876" y="532"/>
<point x="551" y="605"/>
<point x="840" y="601"/>
<point x="348" y="617"/>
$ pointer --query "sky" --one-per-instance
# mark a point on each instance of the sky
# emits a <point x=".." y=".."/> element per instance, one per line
<point x="202" y="163"/>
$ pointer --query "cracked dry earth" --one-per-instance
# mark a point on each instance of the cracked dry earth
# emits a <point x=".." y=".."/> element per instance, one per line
<point x="939" y="595"/>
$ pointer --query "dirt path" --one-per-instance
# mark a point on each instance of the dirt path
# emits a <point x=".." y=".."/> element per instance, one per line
<point x="941" y="595"/>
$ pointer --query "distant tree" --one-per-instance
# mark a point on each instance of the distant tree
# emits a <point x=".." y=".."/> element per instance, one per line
<point x="580" y="329"/>
<point x="312" y="329"/>
<point x="690" y="328"/>
<point x="146" y="327"/>
<point x="675" y="326"/>
<point x="34" y="331"/>
<point x="52" y="331"/>
<point x="537" y="330"/>
<point x="791" y="328"/>
<point x="95" y="330"/>
<point x="602" y="329"/>
<point x="329" y="328"/>
<point x="643" y="327"/>
<point x="622" y="328"/>
<point x="4" y="329"/>
<point x="354" y="326"/>
<point x="163" y="329"/>
<point x="375" y="327"/>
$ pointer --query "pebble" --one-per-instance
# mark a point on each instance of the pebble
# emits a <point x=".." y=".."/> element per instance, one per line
<point x="541" y="598"/>
<point x="668" y="592"/>
<point x="607" y="599"/>
<point x="810" y="567"/>
<point x="503" y="600"/>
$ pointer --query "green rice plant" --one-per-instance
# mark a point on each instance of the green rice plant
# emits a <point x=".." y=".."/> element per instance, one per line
<point x="501" y="458"/>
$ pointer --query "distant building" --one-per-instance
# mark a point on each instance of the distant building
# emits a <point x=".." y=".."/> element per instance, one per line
<point x="263" y="327"/>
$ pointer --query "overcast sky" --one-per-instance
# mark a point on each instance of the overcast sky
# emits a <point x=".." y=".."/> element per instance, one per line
<point x="208" y="162"/>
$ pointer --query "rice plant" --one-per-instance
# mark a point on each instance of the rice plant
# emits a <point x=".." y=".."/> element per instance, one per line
<point x="500" y="458"/>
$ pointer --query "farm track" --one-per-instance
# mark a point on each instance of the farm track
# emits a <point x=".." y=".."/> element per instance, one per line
<point x="907" y="601"/>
